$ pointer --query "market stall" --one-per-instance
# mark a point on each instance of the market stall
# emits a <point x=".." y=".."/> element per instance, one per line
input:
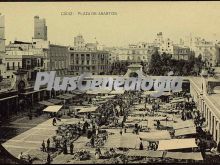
<point x="185" y="131"/>
<point x="144" y="153"/>
<point x="155" y="136"/>
<point x="127" y="140"/>
<point x="55" y="101"/>
<point x="45" y="103"/>
<point x="87" y="109"/>
<point x="184" y="155"/>
<point x="175" y="144"/>
<point x="53" y="108"/>
<point x="183" y="124"/>
<point x="118" y="92"/>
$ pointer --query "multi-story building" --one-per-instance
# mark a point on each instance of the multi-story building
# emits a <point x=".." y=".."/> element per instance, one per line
<point x="79" y="42"/>
<point x="93" y="61"/>
<point x="22" y="55"/>
<point x="181" y="53"/>
<point x="58" y="57"/>
<point x="135" y="53"/>
<point x="209" y="50"/>
<point x="40" y="28"/>
<point x="164" y="45"/>
<point x="2" y="46"/>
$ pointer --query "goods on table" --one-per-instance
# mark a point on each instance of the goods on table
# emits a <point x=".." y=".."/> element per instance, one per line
<point x="82" y="155"/>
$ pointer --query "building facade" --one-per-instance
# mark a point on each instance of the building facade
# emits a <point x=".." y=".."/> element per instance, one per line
<point x="58" y="57"/>
<point x="93" y="61"/>
<point x="40" y="28"/>
<point x="208" y="103"/>
<point x="209" y="50"/>
<point x="181" y="53"/>
<point x="2" y="46"/>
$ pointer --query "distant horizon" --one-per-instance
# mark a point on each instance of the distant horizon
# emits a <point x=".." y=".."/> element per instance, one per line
<point x="135" y="21"/>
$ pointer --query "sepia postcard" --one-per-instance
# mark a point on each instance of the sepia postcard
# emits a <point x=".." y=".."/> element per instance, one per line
<point x="98" y="82"/>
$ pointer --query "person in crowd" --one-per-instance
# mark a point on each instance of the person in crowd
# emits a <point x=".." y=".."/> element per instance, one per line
<point x="48" y="159"/>
<point x="141" y="147"/>
<point x="54" y="121"/>
<point x="48" y="145"/>
<point x="20" y="156"/>
<point x="121" y="131"/>
<point x="43" y="146"/>
<point x="71" y="148"/>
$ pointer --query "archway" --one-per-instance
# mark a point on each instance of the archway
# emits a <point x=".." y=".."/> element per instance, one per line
<point x="133" y="74"/>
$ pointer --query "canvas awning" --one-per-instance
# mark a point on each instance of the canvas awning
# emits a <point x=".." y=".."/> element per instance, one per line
<point x="144" y="153"/>
<point x="127" y="140"/>
<point x="166" y="94"/>
<point x="183" y="124"/>
<point x="185" y="131"/>
<point x="145" y="93"/>
<point x="184" y="155"/>
<point x="55" y="101"/>
<point x="53" y="108"/>
<point x="78" y="107"/>
<point x="107" y="97"/>
<point x="174" y="144"/>
<point x="138" y="112"/>
<point x="92" y="92"/>
<point x="87" y="109"/>
<point x="69" y="95"/>
<point x="155" y="136"/>
<point x="118" y="92"/>
<point x="142" y="106"/>
<point x="177" y="100"/>
<point x="64" y="97"/>
<point x="45" y="103"/>
<point x="134" y="118"/>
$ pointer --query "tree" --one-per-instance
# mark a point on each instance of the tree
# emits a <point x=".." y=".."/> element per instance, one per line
<point x="1" y="78"/>
<point x="196" y="69"/>
<point x="155" y="65"/>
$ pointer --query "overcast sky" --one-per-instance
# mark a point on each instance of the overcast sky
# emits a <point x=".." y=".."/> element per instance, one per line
<point x="136" y="21"/>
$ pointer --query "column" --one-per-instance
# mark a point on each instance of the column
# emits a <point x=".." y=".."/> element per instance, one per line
<point x="32" y="98"/>
<point x="218" y="132"/>
<point x="38" y="96"/>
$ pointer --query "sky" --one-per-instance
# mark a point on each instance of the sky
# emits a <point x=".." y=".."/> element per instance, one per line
<point x="134" y="22"/>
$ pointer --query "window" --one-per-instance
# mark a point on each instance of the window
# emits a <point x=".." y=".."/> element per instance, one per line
<point x="8" y="67"/>
<point x="1" y="61"/>
<point x="87" y="62"/>
<point x="13" y="65"/>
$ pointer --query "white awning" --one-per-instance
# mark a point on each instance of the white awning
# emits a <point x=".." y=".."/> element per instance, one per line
<point x="53" y="108"/>
<point x="127" y="140"/>
<point x="183" y="124"/>
<point x="155" y="136"/>
<point x="174" y="144"/>
<point x="145" y="93"/>
<point x="139" y="112"/>
<point x="55" y="101"/>
<point x="118" y="92"/>
<point x="184" y="155"/>
<point x="144" y="153"/>
<point x="92" y="92"/>
<point x="140" y="106"/>
<point x="87" y="109"/>
<point x="178" y="100"/>
<point x="185" y="131"/>
<point x="46" y="103"/>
